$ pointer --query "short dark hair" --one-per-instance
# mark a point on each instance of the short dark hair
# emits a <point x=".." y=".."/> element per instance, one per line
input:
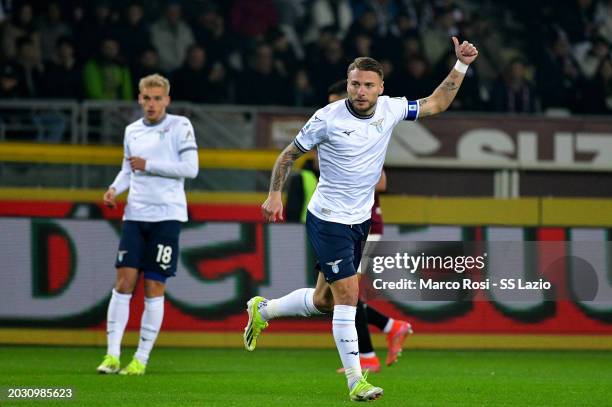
<point x="337" y="88"/>
<point x="366" y="64"/>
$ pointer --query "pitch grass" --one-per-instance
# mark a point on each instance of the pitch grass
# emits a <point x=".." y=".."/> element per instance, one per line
<point x="301" y="377"/>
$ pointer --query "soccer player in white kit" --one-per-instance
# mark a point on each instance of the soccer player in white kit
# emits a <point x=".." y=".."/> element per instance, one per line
<point x="160" y="151"/>
<point x="351" y="136"/>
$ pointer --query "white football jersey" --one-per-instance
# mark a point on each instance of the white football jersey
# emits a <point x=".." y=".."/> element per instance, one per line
<point x="351" y="152"/>
<point x="170" y="150"/>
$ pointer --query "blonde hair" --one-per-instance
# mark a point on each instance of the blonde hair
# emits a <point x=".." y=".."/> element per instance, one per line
<point x="152" y="81"/>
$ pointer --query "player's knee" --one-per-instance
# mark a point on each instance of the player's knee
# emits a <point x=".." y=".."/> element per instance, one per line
<point x="347" y="299"/>
<point x="123" y="290"/>
<point x="323" y="303"/>
<point x="124" y="286"/>
<point x="154" y="288"/>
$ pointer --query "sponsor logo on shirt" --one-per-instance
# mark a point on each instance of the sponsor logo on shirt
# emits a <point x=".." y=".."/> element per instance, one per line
<point x="188" y="137"/>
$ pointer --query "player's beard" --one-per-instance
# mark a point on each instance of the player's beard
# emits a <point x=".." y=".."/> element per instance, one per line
<point x="363" y="111"/>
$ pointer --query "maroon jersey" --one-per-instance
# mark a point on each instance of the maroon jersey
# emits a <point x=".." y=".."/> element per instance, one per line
<point x="377" y="220"/>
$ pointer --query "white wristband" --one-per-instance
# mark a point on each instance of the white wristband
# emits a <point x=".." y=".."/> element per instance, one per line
<point x="461" y="67"/>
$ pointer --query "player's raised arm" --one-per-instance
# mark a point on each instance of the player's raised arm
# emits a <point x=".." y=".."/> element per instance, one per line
<point x="445" y="93"/>
<point x="272" y="208"/>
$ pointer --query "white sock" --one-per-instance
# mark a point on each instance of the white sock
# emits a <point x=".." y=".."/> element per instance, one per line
<point x="152" y="318"/>
<point x="298" y="303"/>
<point x="345" y="335"/>
<point x="116" y="319"/>
<point x="389" y="325"/>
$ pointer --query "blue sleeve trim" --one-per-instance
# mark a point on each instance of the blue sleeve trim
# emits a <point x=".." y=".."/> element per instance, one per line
<point x="298" y="145"/>
<point x="412" y="112"/>
<point x="187" y="149"/>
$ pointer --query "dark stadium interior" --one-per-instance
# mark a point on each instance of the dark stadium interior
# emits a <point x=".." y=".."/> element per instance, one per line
<point x="269" y="52"/>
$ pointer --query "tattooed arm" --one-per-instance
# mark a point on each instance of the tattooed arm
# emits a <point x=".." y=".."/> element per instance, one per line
<point x="273" y="206"/>
<point x="445" y="93"/>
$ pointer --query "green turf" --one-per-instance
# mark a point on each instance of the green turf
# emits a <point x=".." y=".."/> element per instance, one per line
<point x="202" y="377"/>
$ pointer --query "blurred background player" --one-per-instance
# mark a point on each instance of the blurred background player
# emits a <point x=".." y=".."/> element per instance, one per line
<point x="160" y="151"/>
<point x="301" y="186"/>
<point x="351" y="137"/>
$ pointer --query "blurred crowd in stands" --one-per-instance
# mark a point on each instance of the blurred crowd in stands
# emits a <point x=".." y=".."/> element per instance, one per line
<point x="534" y="55"/>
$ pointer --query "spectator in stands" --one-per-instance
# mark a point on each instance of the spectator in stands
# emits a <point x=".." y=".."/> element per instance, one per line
<point x="332" y="67"/>
<point x="50" y="124"/>
<point x="90" y="31"/>
<point x="261" y="83"/>
<point x="172" y="37"/>
<point x="406" y="22"/>
<point x="493" y="49"/>
<point x="316" y="49"/>
<point x="336" y="15"/>
<point x="303" y="91"/>
<point x="20" y="24"/>
<point x="577" y="19"/>
<point x="293" y="21"/>
<point x="147" y="64"/>
<point x="63" y="77"/>
<point x="598" y="90"/>
<point x="106" y="77"/>
<point x="361" y="46"/>
<point x="411" y="78"/>
<point x="558" y="76"/>
<point x="52" y="27"/>
<point x="133" y="33"/>
<point x="603" y="19"/>
<point x="30" y="67"/>
<point x="389" y="70"/>
<point x="596" y="53"/>
<point x="404" y="29"/>
<point x="386" y="12"/>
<point x="292" y="13"/>
<point x="285" y="58"/>
<point x="411" y="45"/>
<point x="435" y="38"/>
<point x="366" y="24"/>
<point x="211" y="33"/>
<point x="10" y="87"/>
<point x="200" y="80"/>
<point x="513" y="92"/>
<point x="252" y="19"/>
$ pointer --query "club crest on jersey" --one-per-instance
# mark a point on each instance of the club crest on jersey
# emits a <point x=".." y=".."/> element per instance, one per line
<point x="378" y="124"/>
<point x="334" y="265"/>
<point x="162" y="133"/>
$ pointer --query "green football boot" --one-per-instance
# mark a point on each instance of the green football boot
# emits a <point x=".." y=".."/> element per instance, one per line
<point x="109" y="365"/>
<point x="135" y="368"/>
<point x="364" y="391"/>
<point x="255" y="325"/>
